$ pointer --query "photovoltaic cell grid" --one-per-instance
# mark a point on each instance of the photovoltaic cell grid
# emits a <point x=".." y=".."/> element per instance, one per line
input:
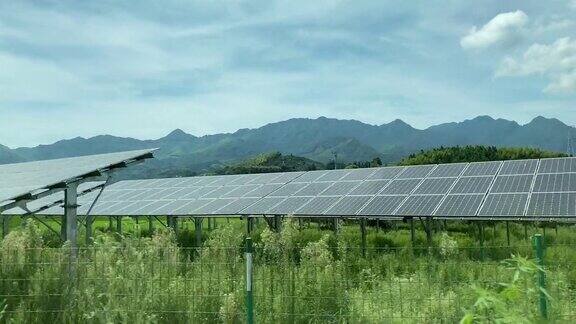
<point x="18" y="179"/>
<point x="532" y="188"/>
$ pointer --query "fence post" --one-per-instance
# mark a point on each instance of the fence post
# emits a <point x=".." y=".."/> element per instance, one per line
<point x="249" y="296"/>
<point x="538" y="245"/>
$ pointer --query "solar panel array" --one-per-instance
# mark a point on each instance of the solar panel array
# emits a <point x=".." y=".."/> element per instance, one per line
<point x="482" y="190"/>
<point x="18" y="179"/>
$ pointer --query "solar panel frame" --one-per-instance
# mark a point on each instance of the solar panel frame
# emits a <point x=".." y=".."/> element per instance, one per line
<point x="555" y="182"/>
<point x="489" y="168"/>
<point x="512" y="183"/>
<point x="416" y="172"/>
<point x="419" y="205"/>
<point x="518" y="167"/>
<point x="435" y="185"/>
<point x="382" y="205"/>
<point x="317" y="205"/>
<point x="504" y="205"/>
<point x="552" y="204"/>
<point x="558" y="165"/>
<point x="450" y="170"/>
<point x="460" y="205"/>
<point x="348" y="206"/>
<point x="470" y="185"/>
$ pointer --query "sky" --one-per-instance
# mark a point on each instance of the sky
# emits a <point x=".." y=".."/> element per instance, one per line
<point x="142" y="68"/>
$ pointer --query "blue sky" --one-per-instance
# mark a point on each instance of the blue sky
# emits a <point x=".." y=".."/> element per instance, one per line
<point x="143" y="68"/>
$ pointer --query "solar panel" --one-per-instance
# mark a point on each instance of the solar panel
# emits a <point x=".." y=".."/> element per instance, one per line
<point x="504" y="205"/>
<point x="340" y="188"/>
<point x="382" y="206"/>
<point x="313" y="189"/>
<point x="236" y="206"/>
<point x="333" y="175"/>
<point x="519" y="167"/>
<point x="558" y="165"/>
<point x="412" y="172"/>
<point x="399" y="187"/>
<point x="213" y="206"/>
<point x="240" y="191"/>
<point x="289" y="205"/>
<point x="310" y="176"/>
<point x="348" y="205"/>
<point x="166" y="209"/>
<point x="512" y="183"/>
<point x="472" y="185"/>
<point x="18" y="179"/>
<point x="558" y="182"/>
<point x="450" y="190"/>
<point x="448" y="170"/>
<point x="460" y="205"/>
<point x="386" y="173"/>
<point x="262" y="206"/>
<point x="419" y="205"/>
<point x="263" y="190"/>
<point x="371" y="187"/>
<point x="265" y="178"/>
<point x="435" y="186"/>
<point x="552" y="204"/>
<point x="358" y="174"/>
<point x="190" y="207"/>
<point x="482" y="168"/>
<point x="317" y="205"/>
<point x="288" y="189"/>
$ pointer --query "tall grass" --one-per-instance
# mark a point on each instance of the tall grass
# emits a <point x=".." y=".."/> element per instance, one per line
<point x="303" y="274"/>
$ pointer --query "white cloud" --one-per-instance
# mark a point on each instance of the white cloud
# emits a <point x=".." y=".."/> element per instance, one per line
<point x="504" y="28"/>
<point x="556" y="61"/>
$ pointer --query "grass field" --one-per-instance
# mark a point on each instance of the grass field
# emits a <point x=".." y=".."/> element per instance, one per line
<point x="307" y="273"/>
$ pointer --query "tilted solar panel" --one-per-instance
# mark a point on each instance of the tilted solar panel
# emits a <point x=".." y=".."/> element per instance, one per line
<point x="475" y="190"/>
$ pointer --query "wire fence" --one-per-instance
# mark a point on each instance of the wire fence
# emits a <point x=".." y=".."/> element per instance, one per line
<point x="322" y="281"/>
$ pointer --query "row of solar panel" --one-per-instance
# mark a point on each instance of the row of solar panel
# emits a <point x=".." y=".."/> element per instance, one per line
<point x="467" y="185"/>
<point x="468" y="205"/>
<point x="458" y="192"/>
<point x="521" y="167"/>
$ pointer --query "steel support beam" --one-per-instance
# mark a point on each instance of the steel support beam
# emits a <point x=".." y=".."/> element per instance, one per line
<point x="508" y="233"/>
<point x="119" y="224"/>
<point x="5" y="225"/>
<point x="151" y="224"/>
<point x="363" y="235"/>
<point x="198" y="231"/>
<point x="71" y="216"/>
<point x="412" y="232"/>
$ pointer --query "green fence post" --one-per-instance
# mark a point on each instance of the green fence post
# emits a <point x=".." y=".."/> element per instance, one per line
<point x="538" y="245"/>
<point x="249" y="296"/>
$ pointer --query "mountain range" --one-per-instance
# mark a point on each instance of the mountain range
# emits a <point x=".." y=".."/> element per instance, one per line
<point x="317" y="139"/>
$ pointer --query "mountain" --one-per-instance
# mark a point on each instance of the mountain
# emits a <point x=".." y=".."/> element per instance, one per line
<point x="316" y="139"/>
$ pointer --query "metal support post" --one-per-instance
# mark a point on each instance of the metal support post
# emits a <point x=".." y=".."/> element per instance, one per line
<point x="249" y="295"/>
<point x="70" y="213"/>
<point x="508" y="233"/>
<point x="174" y="225"/>
<point x="335" y="225"/>
<point x="412" y="232"/>
<point x="249" y="225"/>
<point x="481" y="236"/>
<point x="278" y="223"/>
<point x="63" y="229"/>
<point x="363" y="235"/>
<point x="538" y="243"/>
<point x="151" y="224"/>
<point x="119" y="224"/>
<point x="198" y="231"/>
<point x="429" y="232"/>
<point x="5" y="225"/>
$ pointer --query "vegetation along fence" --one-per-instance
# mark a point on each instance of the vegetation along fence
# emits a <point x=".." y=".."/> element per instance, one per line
<point x="303" y="273"/>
